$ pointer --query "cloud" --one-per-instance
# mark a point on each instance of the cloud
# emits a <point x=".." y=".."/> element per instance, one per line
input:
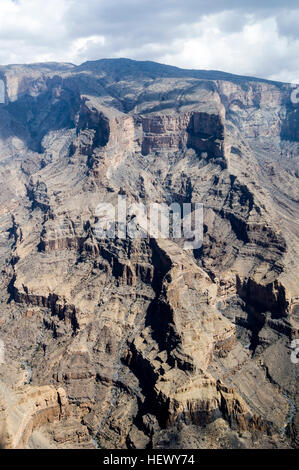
<point x="256" y="49"/>
<point x="248" y="37"/>
<point x="288" y="24"/>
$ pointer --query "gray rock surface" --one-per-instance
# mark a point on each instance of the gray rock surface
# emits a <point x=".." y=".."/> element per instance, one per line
<point x="153" y="345"/>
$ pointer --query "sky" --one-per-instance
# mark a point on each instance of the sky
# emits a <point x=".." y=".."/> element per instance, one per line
<point x="257" y="37"/>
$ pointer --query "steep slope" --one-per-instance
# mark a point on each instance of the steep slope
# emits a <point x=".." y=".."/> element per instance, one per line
<point x="154" y="345"/>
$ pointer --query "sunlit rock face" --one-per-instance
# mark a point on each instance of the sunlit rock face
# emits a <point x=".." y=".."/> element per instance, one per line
<point x="139" y="342"/>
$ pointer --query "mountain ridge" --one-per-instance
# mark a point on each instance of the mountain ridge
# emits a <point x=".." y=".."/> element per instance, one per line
<point x="149" y="66"/>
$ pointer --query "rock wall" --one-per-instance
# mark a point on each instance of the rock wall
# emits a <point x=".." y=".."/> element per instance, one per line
<point x="25" y="409"/>
<point x="148" y="340"/>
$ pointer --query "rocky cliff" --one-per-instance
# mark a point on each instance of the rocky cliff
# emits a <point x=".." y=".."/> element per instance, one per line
<point x="149" y="344"/>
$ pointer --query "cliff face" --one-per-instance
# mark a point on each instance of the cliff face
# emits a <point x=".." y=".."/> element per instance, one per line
<point x="26" y="409"/>
<point x="153" y="345"/>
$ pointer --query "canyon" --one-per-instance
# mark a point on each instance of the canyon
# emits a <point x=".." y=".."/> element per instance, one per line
<point x="140" y="343"/>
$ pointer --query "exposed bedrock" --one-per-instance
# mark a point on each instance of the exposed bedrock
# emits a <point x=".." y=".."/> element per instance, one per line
<point x="201" y="131"/>
<point x="270" y="297"/>
<point x="154" y="345"/>
<point x="25" y="409"/>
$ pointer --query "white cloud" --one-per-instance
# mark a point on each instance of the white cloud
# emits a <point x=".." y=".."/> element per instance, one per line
<point x="245" y="37"/>
<point x="257" y="50"/>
